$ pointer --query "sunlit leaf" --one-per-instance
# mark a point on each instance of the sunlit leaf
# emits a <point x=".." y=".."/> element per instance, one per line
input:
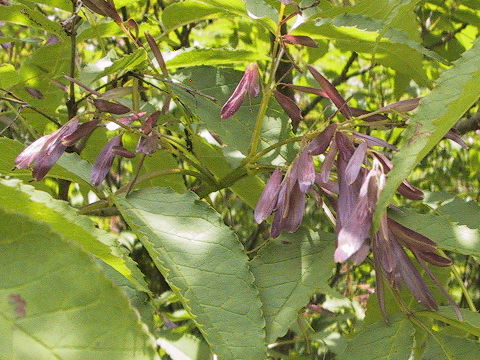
<point x="382" y="341"/>
<point x="204" y="263"/>
<point x="456" y="91"/>
<point x="195" y="57"/>
<point x="64" y="219"/>
<point x="56" y="303"/>
<point x="288" y="271"/>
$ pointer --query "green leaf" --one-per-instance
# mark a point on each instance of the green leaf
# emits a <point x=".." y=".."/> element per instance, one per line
<point x="183" y="346"/>
<point x="470" y="323"/>
<point x="393" y="35"/>
<point x="261" y="9"/>
<point x="237" y="8"/>
<point x="392" y="13"/>
<point x="159" y="161"/>
<point x="104" y="29"/>
<point x="237" y="130"/>
<point x="56" y="303"/>
<point x="60" y="4"/>
<point x="125" y="63"/>
<point x="456" y="91"/>
<point x="448" y="236"/>
<point x="23" y="15"/>
<point x="45" y="64"/>
<point x="195" y="57"/>
<point x="197" y="10"/>
<point x="8" y="76"/>
<point x="69" y="167"/>
<point x="288" y="271"/>
<point x="382" y="341"/>
<point x="191" y="11"/>
<point x="396" y="51"/>
<point x="140" y="300"/>
<point x="451" y="348"/>
<point x="461" y="212"/>
<point x="248" y="188"/>
<point x="64" y="220"/>
<point x="204" y="263"/>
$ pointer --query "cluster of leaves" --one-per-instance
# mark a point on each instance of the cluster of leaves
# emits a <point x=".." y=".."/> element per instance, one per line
<point x="151" y="128"/>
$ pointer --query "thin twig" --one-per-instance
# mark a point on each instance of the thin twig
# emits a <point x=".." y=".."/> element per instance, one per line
<point x="139" y="168"/>
<point x="168" y="81"/>
<point x="24" y="104"/>
<point x="447" y="37"/>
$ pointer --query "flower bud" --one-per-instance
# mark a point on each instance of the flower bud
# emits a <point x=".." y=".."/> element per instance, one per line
<point x="331" y="92"/>
<point x="110" y="107"/>
<point x="268" y="199"/>
<point x="34" y="92"/>
<point x="401" y="106"/>
<point x="121" y="151"/>
<point x="299" y="40"/>
<point x="287" y="104"/>
<point x="321" y="142"/>
<point x="45" y="151"/>
<point x="454" y="137"/>
<point x="249" y="83"/>
<point x="104" y="161"/>
<point x="156" y="52"/>
<point x="355" y="163"/>
<point x="129" y="119"/>
<point x="305" y="171"/>
<point x="82" y="131"/>
<point x="104" y="8"/>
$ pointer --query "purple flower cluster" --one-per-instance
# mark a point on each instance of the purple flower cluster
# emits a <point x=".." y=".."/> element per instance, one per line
<point x="45" y="151"/>
<point x="360" y="176"/>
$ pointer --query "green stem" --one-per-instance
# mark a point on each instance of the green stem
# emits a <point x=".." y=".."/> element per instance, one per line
<point x="181" y="151"/>
<point x="135" y="96"/>
<point x="162" y="172"/>
<point x="277" y="55"/>
<point x="135" y="177"/>
<point x="258" y="125"/>
<point x="101" y="204"/>
<point x="457" y="276"/>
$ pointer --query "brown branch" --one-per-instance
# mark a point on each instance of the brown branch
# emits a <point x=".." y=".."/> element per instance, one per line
<point x="446" y="38"/>
<point x="470" y="124"/>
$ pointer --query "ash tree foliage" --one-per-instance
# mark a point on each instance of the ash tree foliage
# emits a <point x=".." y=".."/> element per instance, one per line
<point x="239" y="180"/>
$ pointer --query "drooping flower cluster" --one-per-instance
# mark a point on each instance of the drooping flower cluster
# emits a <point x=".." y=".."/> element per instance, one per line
<point x="43" y="153"/>
<point x="360" y="176"/>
